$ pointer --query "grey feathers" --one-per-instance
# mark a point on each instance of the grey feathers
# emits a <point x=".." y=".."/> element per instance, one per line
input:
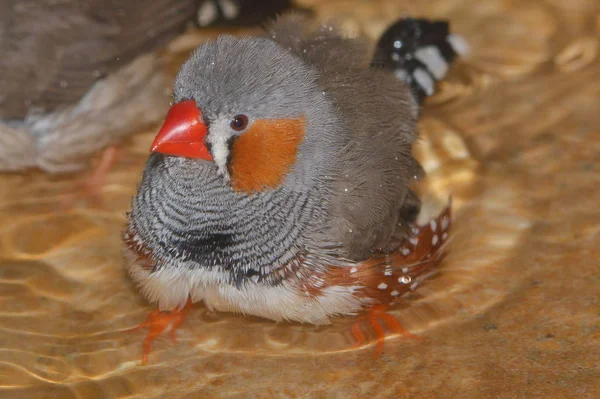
<point x="345" y="196"/>
<point x="246" y="74"/>
<point x="378" y="118"/>
<point x="59" y="141"/>
<point x="191" y="219"/>
<point x="77" y="76"/>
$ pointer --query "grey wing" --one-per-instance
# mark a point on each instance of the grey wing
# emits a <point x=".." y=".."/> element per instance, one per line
<point x="372" y="202"/>
<point x="54" y="51"/>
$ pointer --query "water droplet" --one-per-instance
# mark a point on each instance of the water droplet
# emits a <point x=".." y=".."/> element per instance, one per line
<point x="405" y="279"/>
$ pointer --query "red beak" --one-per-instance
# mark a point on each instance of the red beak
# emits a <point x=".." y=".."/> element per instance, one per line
<point x="183" y="133"/>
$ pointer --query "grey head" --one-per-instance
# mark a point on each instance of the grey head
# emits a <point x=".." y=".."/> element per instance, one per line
<point x="187" y="211"/>
<point x="258" y="78"/>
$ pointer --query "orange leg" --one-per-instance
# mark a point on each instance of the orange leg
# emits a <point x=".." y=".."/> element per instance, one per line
<point x="92" y="185"/>
<point x="359" y="336"/>
<point x="159" y="322"/>
<point x="375" y="315"/>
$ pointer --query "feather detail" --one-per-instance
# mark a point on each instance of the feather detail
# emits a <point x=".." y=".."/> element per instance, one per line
<point x="419" y="52"/>
<point x="53" y="52"/>
<point x="384" y="278"/>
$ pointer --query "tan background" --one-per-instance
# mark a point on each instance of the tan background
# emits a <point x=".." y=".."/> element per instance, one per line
<point x="513" y="134"/>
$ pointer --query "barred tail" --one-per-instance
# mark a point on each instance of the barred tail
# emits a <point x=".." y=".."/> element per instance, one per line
<point x="419" y="52"/>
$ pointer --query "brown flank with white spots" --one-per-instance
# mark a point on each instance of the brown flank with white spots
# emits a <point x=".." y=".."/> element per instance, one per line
<point x="387" y="277"/>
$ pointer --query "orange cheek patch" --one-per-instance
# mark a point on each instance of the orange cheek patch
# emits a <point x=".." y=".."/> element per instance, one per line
<point x="261" y="157"/>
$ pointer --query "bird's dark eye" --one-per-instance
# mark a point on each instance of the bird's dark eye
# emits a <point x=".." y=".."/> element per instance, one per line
<point x="239" y="122"/>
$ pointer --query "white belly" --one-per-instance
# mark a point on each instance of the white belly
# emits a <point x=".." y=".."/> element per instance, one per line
<point x="170" y="288"/>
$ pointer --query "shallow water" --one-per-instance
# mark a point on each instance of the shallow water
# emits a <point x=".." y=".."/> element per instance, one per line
<point x="513" y="135"/>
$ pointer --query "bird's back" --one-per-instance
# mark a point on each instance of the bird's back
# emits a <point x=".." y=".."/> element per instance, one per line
<point x="371" y="197"/>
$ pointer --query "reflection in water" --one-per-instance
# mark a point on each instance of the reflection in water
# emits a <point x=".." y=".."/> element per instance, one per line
<point x="510" y="136"/>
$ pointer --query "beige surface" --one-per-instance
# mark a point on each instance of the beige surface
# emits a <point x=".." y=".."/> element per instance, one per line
<point x="514" y="134"/>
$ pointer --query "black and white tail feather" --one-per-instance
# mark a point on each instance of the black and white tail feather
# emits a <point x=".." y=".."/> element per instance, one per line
<point x="419" y="52"/>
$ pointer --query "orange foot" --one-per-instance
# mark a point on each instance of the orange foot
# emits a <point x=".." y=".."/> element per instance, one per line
<point x="376" y="314"/>
<point x="159" y="322"/>
<point x="92" y="185"/>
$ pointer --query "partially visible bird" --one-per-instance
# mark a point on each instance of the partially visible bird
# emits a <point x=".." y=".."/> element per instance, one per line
<point x="78" y="76"/>
<point x="241" y="12"/>
<point x="279" y="184"/>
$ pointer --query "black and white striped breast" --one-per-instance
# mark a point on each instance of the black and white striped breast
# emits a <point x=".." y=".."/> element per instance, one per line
<point x="188" y="217"/>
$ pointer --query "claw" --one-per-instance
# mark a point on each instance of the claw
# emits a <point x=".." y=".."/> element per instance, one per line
<point x="377" y="315"/>
<point x="159" y="322"/>
<point x="359" y="336"/>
